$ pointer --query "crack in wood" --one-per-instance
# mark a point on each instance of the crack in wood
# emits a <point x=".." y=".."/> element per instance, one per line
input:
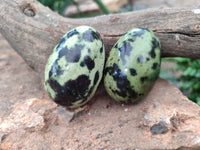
<point x="181" y="33"/>
<point x="112" y="35"/>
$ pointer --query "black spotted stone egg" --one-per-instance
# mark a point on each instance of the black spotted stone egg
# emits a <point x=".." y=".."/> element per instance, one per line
<point x="133" y="65"/>
<point x="74" y="69"/>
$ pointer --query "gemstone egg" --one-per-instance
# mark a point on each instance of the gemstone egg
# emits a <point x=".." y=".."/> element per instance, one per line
<point x="133" y="65"/>
<point x="75" y="67"/>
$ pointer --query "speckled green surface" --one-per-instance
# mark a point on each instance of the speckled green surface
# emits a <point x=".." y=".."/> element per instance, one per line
<point x="133" y="65"/>
<point x="74" y="69"/>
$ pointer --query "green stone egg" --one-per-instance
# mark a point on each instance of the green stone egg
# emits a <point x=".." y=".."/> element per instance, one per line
<point x="133" y="65"/>
<point x="75" y="67"/>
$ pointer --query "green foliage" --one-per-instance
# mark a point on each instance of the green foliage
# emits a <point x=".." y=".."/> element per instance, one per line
<point x="189" y="81"/>
<point x="57" y="5"/>
<point x="61" y="5"/>
<point x="167" y="76"/>
<point x="102" y="6"/>
<point x="125" y="8"/>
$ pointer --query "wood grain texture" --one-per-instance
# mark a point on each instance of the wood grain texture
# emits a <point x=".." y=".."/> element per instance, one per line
<point x="33" y="30"/>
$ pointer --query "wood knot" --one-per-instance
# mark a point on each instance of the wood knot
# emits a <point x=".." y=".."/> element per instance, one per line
<point x="114" y="18"/>
<point x="28" y="9"/>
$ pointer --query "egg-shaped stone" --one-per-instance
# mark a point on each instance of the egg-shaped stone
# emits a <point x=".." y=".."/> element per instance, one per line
<point x="75" y="67"/>
<point x="133" y="65"/>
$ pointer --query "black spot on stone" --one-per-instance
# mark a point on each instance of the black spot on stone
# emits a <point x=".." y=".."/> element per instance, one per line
<point x="90" y="35"/>
<point x="50" y="73"/>
<point x="152" y="53"/>
<point x="71" y="33"/>
<point x="130" y="34"/>
<point x="122" y="82"/>
<point x="101" y="49"/>
<point x="89" y="50"/>
<point x="63" y="52"/>
<point x="72" y="55"/>
<point x="87" y="36"/>
<point x="120" y="93"/>
<point x="96" y="35"/>
<point x="159" y="128"/>
<point x="155" y="44"/>
<point x="133" y="72"/>
<point x="132" y="39"/>
<point x="55" y="69"/>
<point x="96" y="78"/>
<point x="125" y="50"/>
<point x="136" y="33"/>
<point x="147" y="59"/>
<point x="140" y="32"/>
<point x="55" y="85"/>
<point x="72" y="91"/>
<point x="63" y="40"/>
<point x="82" y="82"/>
<point x="89" y="62"/>
<point x="75" y="53"/>
<point x="143" y="79"/>
<point x="59" y="71"/>
<point x="154" y="66"/>
<point x="82" y="64"/>
<point x="141" y="59"/>
<point x="116" y="45"/>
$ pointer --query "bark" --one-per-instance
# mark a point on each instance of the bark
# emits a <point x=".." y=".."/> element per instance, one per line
<point x="33" y="30"/>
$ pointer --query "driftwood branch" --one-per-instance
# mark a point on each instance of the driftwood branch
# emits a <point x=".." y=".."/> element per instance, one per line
<point x="33" y="30"/>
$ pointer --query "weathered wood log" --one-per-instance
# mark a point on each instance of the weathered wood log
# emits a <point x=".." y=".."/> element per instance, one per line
<point x="33" y="30"/>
